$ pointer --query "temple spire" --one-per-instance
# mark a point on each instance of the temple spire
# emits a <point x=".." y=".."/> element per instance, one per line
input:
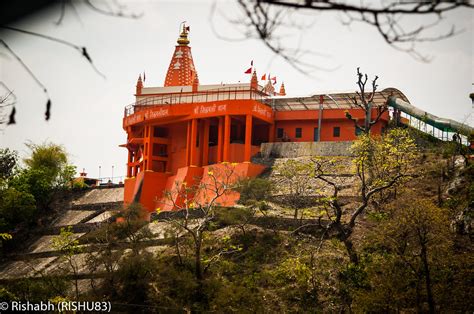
<point x="195" y="83"/>
<point x="139" y="86"/>
<point x="254" y="80"/>
<point x="181" y="71"/>
<point x="282" y="90"/>
<point x="183" y="37"/>
<point x="269" y="89"/>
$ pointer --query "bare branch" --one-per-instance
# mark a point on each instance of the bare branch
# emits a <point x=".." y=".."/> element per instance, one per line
<point x="264" y="18"/>
<point x="119" y="12"/>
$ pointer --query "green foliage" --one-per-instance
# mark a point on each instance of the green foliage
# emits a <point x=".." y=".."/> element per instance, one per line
<point x="35" y="182"/>
<point x="52" y="160"/>
<point x="130" y="221"/>
<point x="8" y="163"/>
<point x="406" y="254"/>
<point x="34" y="289"/>
<point x="231" y="296"/>
<point x="295" y="183"/>
<point x="15" y="207"/>
<point x="24" y="192"/>
<point x="79" y="185"/>
<point x="233" y="216"/>
<point x="66" y="242"/>
<point x="174" y="285"/>
<point x="6" y="295"/>
<point x="254" y="190"/>
<point x="386" y="158"/>
<point x="134" y="277"/>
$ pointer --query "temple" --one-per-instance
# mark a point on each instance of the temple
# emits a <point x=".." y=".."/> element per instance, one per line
<point x="175" y="133"/>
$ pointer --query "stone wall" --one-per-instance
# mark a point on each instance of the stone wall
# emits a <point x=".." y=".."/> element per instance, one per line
<point x="298" y="149"/>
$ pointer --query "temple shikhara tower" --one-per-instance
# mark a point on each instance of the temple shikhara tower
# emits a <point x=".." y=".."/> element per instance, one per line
<point x="178" y="132"/>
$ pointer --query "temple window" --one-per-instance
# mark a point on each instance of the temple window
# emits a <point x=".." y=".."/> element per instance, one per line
<point x="279" y="132"/>
<point x="298" y="132"/>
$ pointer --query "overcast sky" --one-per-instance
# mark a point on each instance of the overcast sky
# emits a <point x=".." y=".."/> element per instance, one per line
<point x="87" y="109"/>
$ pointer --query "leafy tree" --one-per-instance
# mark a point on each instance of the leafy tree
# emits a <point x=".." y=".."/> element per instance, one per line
<point x="409" y="257"/>
<point x="129" y="225"/>
<point x="380" y="164"/>
<point x="47" y="170"/>
<point x="8" y="163"/>
<point x="67" y="243"/>
<point x="295" y="182"/>
<point x="15" y="207"/>
<point x="52" y="159"/>
<point x="134" y="276"/>
<point x="124" y="274"/>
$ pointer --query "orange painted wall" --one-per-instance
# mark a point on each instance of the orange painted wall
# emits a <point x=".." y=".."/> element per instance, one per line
<point x="166" y="114"/>
<point x="154" y="184"/>
<point x="221" y="172"/>
<point x="177" y="134"/>
<point x="129" y="187"/>
<point x="308" y="120"/>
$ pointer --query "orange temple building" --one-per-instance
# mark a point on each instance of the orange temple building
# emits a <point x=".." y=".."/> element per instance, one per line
<point x="176" y="132"/>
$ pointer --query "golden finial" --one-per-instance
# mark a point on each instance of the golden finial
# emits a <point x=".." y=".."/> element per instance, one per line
<point x="183" y="37"/>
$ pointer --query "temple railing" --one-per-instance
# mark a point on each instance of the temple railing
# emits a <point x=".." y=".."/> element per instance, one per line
<point x="220" y="94"/>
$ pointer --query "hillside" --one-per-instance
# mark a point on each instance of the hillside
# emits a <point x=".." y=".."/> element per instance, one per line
<point x="257" y="257"/>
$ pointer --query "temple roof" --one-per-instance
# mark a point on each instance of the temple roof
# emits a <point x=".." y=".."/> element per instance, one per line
<point x="181" y="71"/>
<point x="331" y="100"/>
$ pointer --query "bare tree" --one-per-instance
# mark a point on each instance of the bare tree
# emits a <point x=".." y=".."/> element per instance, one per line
<point x="295" y="181"/>
<point x="263" y="19"/>
<point x="364" y="101"/>
<point x="196" y="208"/>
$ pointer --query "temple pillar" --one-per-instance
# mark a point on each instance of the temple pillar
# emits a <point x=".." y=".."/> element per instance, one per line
<point x="168" y="154"/>
<point x="148" y="158"/>
<point x="248" y="138"/>
<point x="205" y="143"/>
<point x="226" y="150"/>
<point x="220" y="138"/>
<point x="201" y="143"/>
<point x="188" y="144"/>
<point x="193" y="149"/>
<point x="271" y="133"/>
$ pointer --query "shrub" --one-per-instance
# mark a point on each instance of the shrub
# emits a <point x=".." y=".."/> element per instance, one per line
<point x="254" y="189"/>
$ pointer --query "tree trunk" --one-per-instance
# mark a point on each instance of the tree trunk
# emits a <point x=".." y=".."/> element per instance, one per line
<point x="178" y="252"/>
<point x="424" y="257"/>
<point x="198" y="266"/>
<point x="353" y="257"/>
<point x="296" y="214"/>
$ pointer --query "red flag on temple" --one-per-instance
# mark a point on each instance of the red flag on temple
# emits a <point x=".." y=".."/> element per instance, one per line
<point x="144" y="77"/>
<point x="264" y="77"/>
<point x="274" y="79"/>
<point x="249" y="71"/>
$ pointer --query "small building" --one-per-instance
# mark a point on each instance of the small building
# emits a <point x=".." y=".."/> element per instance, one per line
<point x="176" y="132"/>
<point x="85" y="181"/>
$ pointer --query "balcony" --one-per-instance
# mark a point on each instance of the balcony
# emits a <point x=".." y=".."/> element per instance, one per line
<point x="226" y="93"/>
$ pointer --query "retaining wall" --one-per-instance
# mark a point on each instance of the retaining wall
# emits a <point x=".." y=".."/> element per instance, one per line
<point x="298" y="149"/>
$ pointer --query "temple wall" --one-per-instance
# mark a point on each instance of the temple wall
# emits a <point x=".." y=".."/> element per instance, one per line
<point x="298" y="149"/>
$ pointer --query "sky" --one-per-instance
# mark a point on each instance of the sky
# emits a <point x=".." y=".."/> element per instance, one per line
<point x="87" y="109"/>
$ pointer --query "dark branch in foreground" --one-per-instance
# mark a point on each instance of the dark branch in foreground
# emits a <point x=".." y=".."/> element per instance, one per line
<point x="262" y="19"/>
